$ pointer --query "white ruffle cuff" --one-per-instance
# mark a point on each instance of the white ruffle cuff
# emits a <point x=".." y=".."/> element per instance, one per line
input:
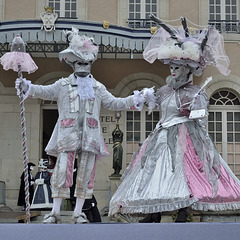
<point x="145" y="96"/>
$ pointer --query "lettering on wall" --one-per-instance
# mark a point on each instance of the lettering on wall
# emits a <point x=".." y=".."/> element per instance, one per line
<point x="108" y="124"/>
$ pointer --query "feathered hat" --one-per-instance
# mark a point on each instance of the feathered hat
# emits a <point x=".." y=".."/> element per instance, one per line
<point x="80" y="48"/>
<point x="197" y="50"/>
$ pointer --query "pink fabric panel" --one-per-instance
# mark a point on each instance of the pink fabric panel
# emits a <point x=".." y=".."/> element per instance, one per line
<point x="228" y="189"/>
<point x="67" y="122"/>
<point x="92" y="122"/>
<point x="69" y="172"/>
<point x="91" y="182"/>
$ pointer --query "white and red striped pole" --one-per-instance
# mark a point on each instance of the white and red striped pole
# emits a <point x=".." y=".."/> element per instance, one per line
<point x="18" y="60"/>
<point x="24" y="148"/>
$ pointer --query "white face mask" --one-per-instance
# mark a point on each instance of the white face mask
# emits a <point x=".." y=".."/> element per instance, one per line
<point x="31" y="168"/>
<point x="176" y="70"/>
<point x="81" y="68"/>
<point x="180" y="75"/>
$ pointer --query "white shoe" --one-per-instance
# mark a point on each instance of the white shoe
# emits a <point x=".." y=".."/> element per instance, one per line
<point x="79" y="218"/>
<point x="52" y="218"/>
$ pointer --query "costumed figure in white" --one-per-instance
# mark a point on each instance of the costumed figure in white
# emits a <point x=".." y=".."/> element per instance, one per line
<point x="42" y="194"/>
<point x="77" y="133"/>
<point x="178" y="165"/>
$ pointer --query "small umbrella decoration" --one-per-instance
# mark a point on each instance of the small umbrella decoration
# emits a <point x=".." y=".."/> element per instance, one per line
<point x="20" y="61"/>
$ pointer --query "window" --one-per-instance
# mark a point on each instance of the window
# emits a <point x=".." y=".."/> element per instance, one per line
<point x="142" y="8"/>
<point x="64" y="8"/>
<point x="138" y="126"/>
<point x="139" y="11"/>
<point x="224" y="127"/>
<point x="223" y="14"/>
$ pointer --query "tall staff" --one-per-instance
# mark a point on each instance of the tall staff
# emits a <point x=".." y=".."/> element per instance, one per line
<point x="20" y="61"/>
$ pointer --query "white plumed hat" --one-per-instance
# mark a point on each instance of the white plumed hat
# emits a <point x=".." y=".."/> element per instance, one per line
<point x="177" y="45"/>
<point x="80" y="48"/>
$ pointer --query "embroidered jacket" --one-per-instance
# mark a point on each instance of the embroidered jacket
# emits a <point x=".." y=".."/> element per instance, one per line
<point x="67" y="135"/>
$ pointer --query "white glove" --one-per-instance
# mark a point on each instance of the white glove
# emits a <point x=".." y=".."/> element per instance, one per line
<point x="39" y="181"/>
<point x="25" y="85"/>
<point x="139" y="99"/>
<point x="144" y="96"/>
<point x="31" y="183"/>
<point x="150" y="98"/>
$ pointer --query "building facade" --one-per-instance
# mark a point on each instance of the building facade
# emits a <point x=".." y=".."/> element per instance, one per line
<point x="122" y="29"/>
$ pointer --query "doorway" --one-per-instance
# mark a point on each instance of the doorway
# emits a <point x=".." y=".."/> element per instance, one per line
<point x="49" y="117"/>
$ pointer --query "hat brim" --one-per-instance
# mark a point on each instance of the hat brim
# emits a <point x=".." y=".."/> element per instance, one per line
<point x="31" y="164"/>
<point x="70" y="56"/>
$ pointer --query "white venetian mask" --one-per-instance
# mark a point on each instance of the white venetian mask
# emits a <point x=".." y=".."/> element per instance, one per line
<point x="177" y="70"/>
<point x="180" y="75"/>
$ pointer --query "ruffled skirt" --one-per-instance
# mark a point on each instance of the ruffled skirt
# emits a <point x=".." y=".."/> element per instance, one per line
<point x="177" y="167"/>
<point x="18" y="61"/>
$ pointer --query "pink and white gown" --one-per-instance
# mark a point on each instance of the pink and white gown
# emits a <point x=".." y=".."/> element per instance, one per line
<point x="177" y="166"/>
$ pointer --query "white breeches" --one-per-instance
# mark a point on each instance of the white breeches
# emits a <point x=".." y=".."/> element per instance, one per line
<point x="85" y="176"/>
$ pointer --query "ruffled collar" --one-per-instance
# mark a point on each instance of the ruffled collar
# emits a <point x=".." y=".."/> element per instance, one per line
<point x="85" y="87"/>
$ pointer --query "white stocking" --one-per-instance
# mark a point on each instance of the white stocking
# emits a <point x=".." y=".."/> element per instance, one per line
<point x="79" y="205"/>
<point x="56" y="205"/>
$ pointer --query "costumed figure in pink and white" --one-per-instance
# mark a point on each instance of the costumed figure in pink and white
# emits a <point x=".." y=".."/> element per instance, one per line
<point x="42" y="195"/>
<point x="77" y="133"/>
<point x="178" y="165"/>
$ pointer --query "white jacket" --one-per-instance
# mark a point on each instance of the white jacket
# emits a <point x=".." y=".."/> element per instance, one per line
<point x="66" y="135"/>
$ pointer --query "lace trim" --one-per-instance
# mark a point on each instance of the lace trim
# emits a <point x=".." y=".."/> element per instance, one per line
<point x="216" y="206"/>
<point x="193" y="203"/>
<point x="157" y="207"/>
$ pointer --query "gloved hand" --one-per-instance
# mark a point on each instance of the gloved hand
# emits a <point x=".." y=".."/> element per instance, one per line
<point x="39" y="181"/>
<point x="144" y="96"/>
<point x="139" y="99"/>
<point x="25" y="84"/>
<point x="150" y="98"/>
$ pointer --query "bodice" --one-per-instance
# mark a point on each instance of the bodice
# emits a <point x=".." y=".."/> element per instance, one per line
<point x="170" y="112"/>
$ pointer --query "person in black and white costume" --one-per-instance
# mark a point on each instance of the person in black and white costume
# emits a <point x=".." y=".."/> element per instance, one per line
<point x="42" y="195"/>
